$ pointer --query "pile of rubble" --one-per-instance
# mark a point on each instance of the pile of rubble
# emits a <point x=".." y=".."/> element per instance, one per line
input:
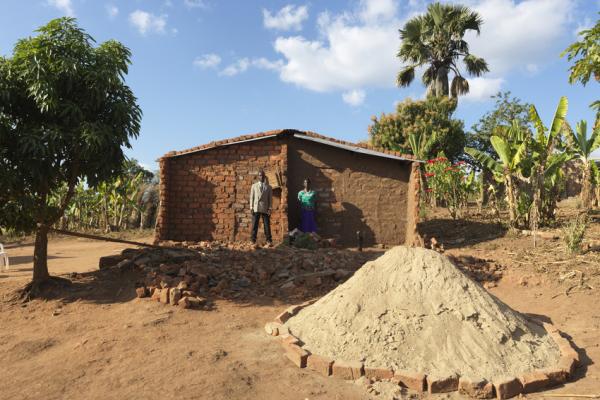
<point x="187" y="273"/>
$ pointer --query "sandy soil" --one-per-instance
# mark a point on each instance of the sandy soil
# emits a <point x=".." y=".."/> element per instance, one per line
<point x="99" y="342"/>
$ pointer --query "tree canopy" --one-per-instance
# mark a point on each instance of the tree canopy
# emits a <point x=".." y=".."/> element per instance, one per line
<point x="586" y="56"/>
<point x="436" y="40"/>
<point x="427" y="118"/>
<point x="65" y="116"/>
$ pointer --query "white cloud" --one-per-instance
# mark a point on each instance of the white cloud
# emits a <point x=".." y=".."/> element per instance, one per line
<point x="64" y="6"/>
<point x="237" y="67"/>
<point x="207" y="61"/>
<point x="515" y="34"/>
<point x="351" y="54"/>
<point x="354" y="97"/>
<point x="375" y="10"/>
<point x="146" y="22"/>
<point x="263" y="63"/>
<point x="481" y="89"/>
<point x="288" y="18"/>
<point x="194" y="3"/>
<point x="112" y="11"/>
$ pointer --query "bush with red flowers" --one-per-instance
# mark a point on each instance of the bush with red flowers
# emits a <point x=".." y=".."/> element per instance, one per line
<point x="448" y="183"/>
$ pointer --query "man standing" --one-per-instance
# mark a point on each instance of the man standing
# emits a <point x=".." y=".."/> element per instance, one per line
<point x="261" y="196"/>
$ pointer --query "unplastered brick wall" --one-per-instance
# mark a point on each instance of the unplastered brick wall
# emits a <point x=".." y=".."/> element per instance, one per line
<point x="205" y="195"/>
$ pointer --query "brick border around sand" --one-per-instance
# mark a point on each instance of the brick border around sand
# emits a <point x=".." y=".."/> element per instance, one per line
<point x="501" y="388"/>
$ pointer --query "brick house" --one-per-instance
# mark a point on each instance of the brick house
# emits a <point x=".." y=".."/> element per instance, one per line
<point x="204" y="191"/>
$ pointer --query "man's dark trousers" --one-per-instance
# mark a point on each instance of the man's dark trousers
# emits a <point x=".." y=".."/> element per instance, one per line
<point x="266" y="224"/>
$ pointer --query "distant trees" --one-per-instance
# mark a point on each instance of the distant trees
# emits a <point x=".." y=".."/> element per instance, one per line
<point x="435" y="40"/>
<point x="65" y="114"/>
<point x="421" y="127"/>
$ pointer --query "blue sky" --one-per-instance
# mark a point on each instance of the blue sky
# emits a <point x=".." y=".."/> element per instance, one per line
<point x="205" y="70"/>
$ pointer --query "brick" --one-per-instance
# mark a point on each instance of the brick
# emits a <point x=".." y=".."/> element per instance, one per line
<point x="296" y="354"/>
<point x="283" y="317"/>
<point x="476" y="388"/>
<point x="156" y="294"/>
<point x="288" y="338"/>
<point x="567" y="350"/>
<point x="141" y="292"/>
<point x="347" y="370"/>
<point x="164" y="296"/>
<point x="556" y="375"/>
<point x="184" y="303"/>
<point x="320" y="364"/>
<point x="379" y="374"/>
<point x="174" y="296"/>
<point x="567" y="364"/>
<point x="272" y="328"/>
<point x="534" y="381"/>
<point x="411" y="380"/>
<point x="549" y="328"/>
<point x="442" y="384"/>
<point x="507" y="388"/>
<point x="110" y="261"/>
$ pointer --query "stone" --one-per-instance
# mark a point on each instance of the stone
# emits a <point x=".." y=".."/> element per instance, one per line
<point x="379" y="374"/>
<point x="129" y="253"/>
<point x="341" y="274"/>
<point x="141" y="291"/>
<point x="183" y="285"/>
<point x="507" y="388"/>
<point x="284" y="316"/>
<point x="320" y="364"/>
<point x="442" y="384"/>
<point x="164" y="296"/>
<point x="347" y="370"/>
<point x="296" y="354"/>
<point x="174" y="296"/>
<point x="534" y="381"/>
<point x="476" y="388"/>
<point x="109" y="261"/>
<point x="411" y="380"/>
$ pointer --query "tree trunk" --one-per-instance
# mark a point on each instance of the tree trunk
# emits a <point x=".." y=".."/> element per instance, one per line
<point x="512" y="204"/>
<point x="40" y="255"/>
<point x="585" y="187"/>
<point x="441" y="82"/>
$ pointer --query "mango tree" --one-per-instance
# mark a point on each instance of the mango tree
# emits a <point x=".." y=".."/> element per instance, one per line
<point x="65" y="116"/>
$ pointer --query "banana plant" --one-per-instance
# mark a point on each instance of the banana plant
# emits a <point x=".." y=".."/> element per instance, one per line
<point x="582" y="147"/>
<point x="421" y="145"/>
<point x="543" y="147"/>
<point x="510" y="143"/>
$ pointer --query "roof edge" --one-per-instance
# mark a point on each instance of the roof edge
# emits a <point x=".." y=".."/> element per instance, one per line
<point x="355" y="147"/>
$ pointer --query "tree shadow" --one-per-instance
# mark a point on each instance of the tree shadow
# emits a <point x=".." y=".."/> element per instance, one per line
<point x="19" y="260"/>
<point x="459" y="233"/>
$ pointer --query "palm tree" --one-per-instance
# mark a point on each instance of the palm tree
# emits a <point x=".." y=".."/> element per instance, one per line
<point x="435" y="40"/>
<point x="582" y="148"/>
<point x="510" y="143"/>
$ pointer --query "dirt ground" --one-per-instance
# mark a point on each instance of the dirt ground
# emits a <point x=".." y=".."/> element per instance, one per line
<point x="98" y="341"/>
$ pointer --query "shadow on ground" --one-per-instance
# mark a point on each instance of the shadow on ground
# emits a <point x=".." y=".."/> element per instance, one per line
<point x="460" y="233"/>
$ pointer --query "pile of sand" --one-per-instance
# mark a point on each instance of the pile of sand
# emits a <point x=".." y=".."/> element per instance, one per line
<point x="412" y="309"/>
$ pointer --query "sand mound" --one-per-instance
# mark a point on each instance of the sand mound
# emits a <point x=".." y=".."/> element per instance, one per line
<point x="412" y="309"/>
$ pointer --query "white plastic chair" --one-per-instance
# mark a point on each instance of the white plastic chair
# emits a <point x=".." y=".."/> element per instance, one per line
<point x="3" y="259"/>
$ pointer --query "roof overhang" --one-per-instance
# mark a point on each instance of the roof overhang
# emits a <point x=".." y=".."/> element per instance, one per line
<point x="355" y="149"/>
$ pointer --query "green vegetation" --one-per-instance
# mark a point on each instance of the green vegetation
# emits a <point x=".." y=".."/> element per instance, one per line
<point x="574" y="232"/>
<point x="65" y="114"/>
<point x="436" y="40"/>
<point x="423" y="128"/>
<point x="586" y="54"/>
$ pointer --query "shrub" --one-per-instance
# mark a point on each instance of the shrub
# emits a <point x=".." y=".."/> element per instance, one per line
<point x="573" y="233"/>
<point x="449" y="183"/>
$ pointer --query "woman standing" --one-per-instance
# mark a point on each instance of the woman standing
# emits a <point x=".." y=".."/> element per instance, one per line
<point x="307" y="198"/>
